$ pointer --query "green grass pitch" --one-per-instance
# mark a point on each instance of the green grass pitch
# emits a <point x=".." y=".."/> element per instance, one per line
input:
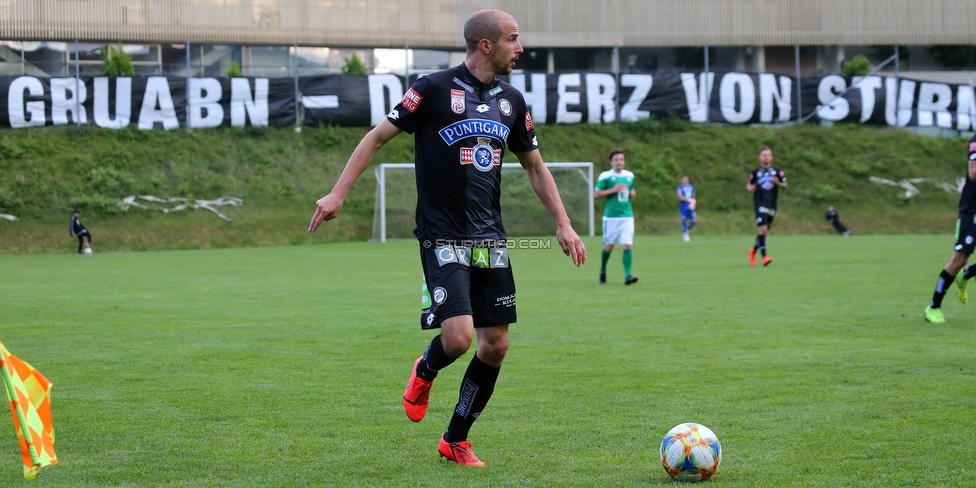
<point x="284" y="366"/>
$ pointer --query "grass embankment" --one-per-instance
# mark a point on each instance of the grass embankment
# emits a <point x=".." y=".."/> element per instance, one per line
<point x="46" y="172"/>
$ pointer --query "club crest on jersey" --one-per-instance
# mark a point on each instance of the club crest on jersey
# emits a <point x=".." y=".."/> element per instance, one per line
<point x="457" y="101"/>
<point x="411" y="100"/>
<point x="482" y="155"/>
<point x="505" y="107"/>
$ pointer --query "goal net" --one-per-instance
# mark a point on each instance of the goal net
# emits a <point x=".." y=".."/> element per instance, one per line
<point x="522" y="212"/>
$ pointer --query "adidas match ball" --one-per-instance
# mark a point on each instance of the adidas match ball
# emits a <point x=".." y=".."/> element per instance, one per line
<point x="690" y="452"/>
<point x="88" y="250"/>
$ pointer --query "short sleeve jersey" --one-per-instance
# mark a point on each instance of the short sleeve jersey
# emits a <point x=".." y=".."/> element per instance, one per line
<point x="766" y="191"/>
<point x="687" y="191"/>
<point x="618" y="204"/>
<point x="967" y="202"/>
<point x="461" y="127"/>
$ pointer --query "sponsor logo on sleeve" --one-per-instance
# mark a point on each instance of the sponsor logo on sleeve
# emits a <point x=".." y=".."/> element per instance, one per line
<point x="394" y="115"/>
<point x="457" y="101"/>
<point x="505" y="107"/>
<point x="528" y="121"/>
<point x="411" y="100"/>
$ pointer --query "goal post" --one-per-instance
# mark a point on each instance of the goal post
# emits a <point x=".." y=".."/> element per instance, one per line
<point x="523" y="213"/>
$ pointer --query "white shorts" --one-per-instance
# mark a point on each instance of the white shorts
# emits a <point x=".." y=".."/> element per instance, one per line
<point x="618" y="229"/>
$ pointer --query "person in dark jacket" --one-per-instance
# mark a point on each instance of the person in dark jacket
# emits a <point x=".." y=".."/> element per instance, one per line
<point x="77" y="229"/>
<point x="834" y="220"/>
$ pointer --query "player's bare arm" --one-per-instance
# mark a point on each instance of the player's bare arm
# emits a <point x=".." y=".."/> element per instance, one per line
<point x="327" y="207"/>
<point x="972" y="170"/>
<point x="545" y="188"/>
<point x="777" y="180"/>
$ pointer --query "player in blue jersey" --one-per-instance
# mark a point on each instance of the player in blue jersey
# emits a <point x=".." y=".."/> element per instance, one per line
<point x="463" y="120"/>
<point x="686" y="206"/>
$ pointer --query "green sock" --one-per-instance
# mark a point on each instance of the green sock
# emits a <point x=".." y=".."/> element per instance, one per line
<point x="605" y="257"/>
<point x="628" y="260"/>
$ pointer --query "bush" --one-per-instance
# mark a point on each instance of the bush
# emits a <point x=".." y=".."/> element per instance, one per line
<point x="8" y="200"/>
<point x="234" y="70"/>
<point x="857" y="66"/>
<point x="354" y="66"/>
<point x="117" y="62"/>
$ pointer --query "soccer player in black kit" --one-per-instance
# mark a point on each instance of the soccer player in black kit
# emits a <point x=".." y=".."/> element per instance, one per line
<point x="75" y="228"/>
<point x="764" y="183"/>
<point x="462" y="118"/>
<point x="965" y="244"/>
<point x="834" y="220"/>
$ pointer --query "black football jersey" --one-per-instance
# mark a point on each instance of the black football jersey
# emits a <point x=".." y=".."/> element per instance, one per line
<point x="766" y="191"/>
<point x="967" y="202"/>
<point x="462" y="127"/>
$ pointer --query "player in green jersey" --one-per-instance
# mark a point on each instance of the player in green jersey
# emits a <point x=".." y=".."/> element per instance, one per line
<point x="617" y="186"/>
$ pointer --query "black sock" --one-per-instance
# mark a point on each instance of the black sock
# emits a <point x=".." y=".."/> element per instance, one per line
<point x="435" y="359"/>
<point x="476" y="388"/>
<point x="755" y="247"/>
<point x="969" y="272"/>
<point x="762" y="244"/>
<point x="941" y="287"/>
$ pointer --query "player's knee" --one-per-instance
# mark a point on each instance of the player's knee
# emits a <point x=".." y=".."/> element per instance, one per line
<point x="493" y="352"/>
<point x="456" y="343"/>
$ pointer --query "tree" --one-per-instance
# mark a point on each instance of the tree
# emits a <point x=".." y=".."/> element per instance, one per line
<point x="117" y="62"/>
<point x="234" y="70"/>
<point x="354" y="66"/>
<point x="857" y="66"/>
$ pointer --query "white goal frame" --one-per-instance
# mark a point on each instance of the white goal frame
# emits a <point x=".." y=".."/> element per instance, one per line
<point x="380" y="172"/>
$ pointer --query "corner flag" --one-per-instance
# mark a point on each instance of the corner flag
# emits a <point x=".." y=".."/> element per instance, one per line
<point x="29" y="393"/>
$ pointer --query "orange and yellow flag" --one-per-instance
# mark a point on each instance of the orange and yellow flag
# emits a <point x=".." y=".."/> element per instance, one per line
<point x="29" y="393"/>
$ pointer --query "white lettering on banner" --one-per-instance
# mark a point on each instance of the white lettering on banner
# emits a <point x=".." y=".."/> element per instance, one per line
<point x="123" y="102"/>
<point x="742" y="83"/>
<point x="204" y="96"/>
<point x="891" y="101"/>
<point x="965" y="108"/>
<point x="601" y="93"/>
<point x="535" y="99"/>
<point x="867" y="85"/>
<point x="906" y="102"/>
<point x="934" y="97"/>
<point x="642" y="86"/>
<point x="378" y="106"/>
<point x="769" y="93"/>
<point x="697" y="95"/>
<point x="61" y="103"/>
<point x="16" y="105"/>
<point x="241" y="102"/>
<point x="567" y="98"/>
<point x="157" y="93"/>
<point x="837" y="108"/>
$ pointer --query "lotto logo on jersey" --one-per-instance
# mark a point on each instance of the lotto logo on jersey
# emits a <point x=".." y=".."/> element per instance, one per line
<point x="528" y="121"/>
<point x="457" y="101"/>
<point x="411" y="100"/>
<point x="482" y="156"/>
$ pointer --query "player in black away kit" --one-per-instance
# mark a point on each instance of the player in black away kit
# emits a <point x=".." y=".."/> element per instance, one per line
<point x="764" y="183"/>
<point x="834" y="220"/>
<point x="462" y="119"/>
<point x="965" y="243"/>
<point x="75" y="228"/>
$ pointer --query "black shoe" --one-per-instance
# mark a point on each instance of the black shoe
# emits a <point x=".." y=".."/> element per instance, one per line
<point x="630" y="280"/>
<point x="603" y="278"/>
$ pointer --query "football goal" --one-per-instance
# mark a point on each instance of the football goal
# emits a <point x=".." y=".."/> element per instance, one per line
<point x="522" y="212"/>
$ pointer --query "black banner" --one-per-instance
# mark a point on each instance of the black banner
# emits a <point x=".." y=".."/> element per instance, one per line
<point x="151" y="102"/>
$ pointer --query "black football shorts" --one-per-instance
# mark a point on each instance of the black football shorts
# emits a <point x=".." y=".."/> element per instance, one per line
<point x="467" y="281"/>
<point x="764" y="216"/>
<point x="966" y="233"/>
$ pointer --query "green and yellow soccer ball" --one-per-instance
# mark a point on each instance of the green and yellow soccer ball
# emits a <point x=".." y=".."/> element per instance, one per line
<point x="691" y="452"/>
